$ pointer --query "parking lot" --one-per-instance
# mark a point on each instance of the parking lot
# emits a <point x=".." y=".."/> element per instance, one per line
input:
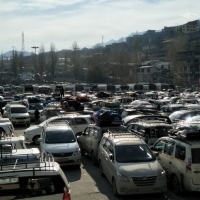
<point x="87" y="184"/>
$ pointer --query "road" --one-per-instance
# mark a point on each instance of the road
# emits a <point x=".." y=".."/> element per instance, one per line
<point x="87" y="184"/>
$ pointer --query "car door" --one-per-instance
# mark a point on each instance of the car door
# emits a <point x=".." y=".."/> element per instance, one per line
<point x="168" y="157"/>
<point x="84" y="137"/>
<point x="105" y="157"/>
<point x="81" y="124"/>
<point x="110" y="168"/>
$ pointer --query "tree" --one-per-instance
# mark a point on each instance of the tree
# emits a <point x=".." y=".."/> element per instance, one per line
<point x="21" y="62"/>
<point x="41" y="60"/>
<point x="14" y="63"/>
<point x="174" y="46"/>
<point x="53" y="58"/>
<point x="76" y="61"/>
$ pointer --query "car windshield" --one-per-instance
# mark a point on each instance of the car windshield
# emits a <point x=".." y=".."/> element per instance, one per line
<point x="54" y="137"/>
<point x="33" y="107"/>
<point x="18" y="110"/>
<point x="133" y="153"/>
<point x="195" y="155"/>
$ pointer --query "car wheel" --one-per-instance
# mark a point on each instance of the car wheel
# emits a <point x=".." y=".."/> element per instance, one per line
<point x="114" y="187"/>
<point x="176" y="188"/>
<point x="101" y="169"/>
<point x="94" y="160"/>
<point x="35" y="139"/>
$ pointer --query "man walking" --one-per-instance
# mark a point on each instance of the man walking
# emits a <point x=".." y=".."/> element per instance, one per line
<point x="37" y="116"/>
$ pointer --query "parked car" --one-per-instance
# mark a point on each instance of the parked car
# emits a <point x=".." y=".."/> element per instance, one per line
<point x="150" y="130"/>
<point x="129" y="165"/>
<point x="17" y="114"/>
<point x="32" y="108"/>
<point x="179" y="156"/>
<point x="59" y="140"/>
<point x="78" y="124"/>
<point x="90" y="139"/>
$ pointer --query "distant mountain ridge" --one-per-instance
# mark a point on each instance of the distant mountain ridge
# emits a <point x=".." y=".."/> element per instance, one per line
<point x="10" y="53"/>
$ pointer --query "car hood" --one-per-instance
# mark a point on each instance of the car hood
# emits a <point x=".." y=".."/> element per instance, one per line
<point x="152" y="168"/>
<point x="19" y="114"/>
<point x="61" y="148"/>
<point x="34" y="129"/>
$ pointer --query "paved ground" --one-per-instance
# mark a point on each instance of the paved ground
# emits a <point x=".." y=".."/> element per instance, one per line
<point x="87" y="183"/>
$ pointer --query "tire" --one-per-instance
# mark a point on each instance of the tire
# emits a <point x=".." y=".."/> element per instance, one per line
<point x="35" y="139"/>
<point x="94" y="160"/>
<point x="82" y="151"/>
<point x="114" y="187"/>
<point x="101" y="169"/>
<point x="176" y="187"/>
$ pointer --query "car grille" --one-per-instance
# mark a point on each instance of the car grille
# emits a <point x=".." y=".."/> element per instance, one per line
<point x="20" y="118"/>
<point x="144" y="181"/>
<point x="62" y="154"/>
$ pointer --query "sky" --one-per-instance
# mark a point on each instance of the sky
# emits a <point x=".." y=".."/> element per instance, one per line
<point x="64" y="22"/>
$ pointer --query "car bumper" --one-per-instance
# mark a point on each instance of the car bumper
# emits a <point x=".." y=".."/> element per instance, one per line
<point x="71" y="160"/>
<point x="25" y="121"/>
<point x="190" y="186"/>
<point x="128" y="188"/>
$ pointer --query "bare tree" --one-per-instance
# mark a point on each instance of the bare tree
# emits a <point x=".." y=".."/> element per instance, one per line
<point x="21" y="62"/>
<point x="53" y="58"/>
<point x="15" y="62"/>
<point x="41" y="60"/>
<point x="174" y="46"/>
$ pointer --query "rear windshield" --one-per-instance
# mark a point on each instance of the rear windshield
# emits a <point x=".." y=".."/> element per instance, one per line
<point x="195" y="155"/>
<point x="54" y="137"/>
<point x="33" y="107"/>
<point x="133" y="153"/>
<point x="18" y="110"/>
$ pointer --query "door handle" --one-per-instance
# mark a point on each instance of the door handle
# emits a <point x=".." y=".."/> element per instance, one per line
<point x="170" y="162"/>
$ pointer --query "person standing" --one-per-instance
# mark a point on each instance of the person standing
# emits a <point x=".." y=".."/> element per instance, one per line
<point x="62" y="92"/>
<point x="37" y="116"/>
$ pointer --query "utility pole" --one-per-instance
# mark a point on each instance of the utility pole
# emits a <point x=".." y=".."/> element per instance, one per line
<point x="34" y="47"/>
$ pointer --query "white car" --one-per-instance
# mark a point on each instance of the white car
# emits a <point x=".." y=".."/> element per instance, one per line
<point x="59" y="140"/>
<point x="17" y="114"/>
<point x="180" y="158"/>
<point x="78" y="124"/>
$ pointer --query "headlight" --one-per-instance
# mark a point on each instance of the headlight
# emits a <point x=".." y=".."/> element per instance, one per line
<point x="162" y="175"/>
<point x="27" y="133"/>
<point x="77" y="152"/>
<point x="123" y="178"/>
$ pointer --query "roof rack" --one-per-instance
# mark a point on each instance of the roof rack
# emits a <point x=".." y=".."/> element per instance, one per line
<point x="57" y="123"/>
<point x="45" y="163"/>
<point x="123" y="134"/>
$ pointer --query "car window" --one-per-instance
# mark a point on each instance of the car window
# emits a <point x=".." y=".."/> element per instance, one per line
<point x="195" y="155"/>
<point x="18" y="110"/>
<point x="133" y="153"/>
<point x="159" y="145"/>
<point x="80" y="121"/>
<point x="106" y="146"/>
<point x="169" y="148"/>
<point x="180" y="152"/>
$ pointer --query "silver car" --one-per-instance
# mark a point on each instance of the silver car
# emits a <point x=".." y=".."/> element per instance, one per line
<point x="130" y="165"/>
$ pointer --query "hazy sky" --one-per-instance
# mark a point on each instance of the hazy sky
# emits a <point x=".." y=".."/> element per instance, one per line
<point x="85" y="21"/>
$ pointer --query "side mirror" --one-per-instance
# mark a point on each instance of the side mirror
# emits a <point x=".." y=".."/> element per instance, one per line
<point x="152" y="148"/>
<point x="39" y="139"/>
<point x="156" y="154"/>
<point x="111" y="157"/>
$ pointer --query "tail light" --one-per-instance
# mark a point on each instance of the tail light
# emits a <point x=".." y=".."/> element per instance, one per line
<point x="189" y="167"/>
<point x="66" y="195"/>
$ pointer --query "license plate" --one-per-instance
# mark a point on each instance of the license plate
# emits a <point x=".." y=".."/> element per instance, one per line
<point x="61" y="159"/>
<point x="21" y="121"/>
